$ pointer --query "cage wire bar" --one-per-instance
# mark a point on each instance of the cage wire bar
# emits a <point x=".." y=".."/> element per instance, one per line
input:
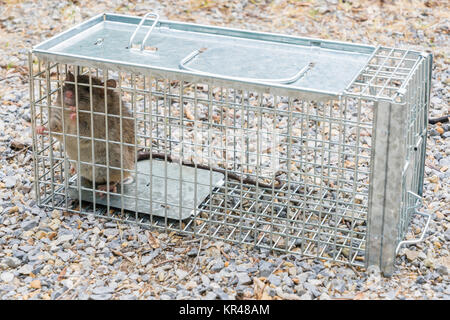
<point x="334" y="177"/>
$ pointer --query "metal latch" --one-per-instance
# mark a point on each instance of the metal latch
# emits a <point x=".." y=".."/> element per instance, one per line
<point x="156" y="19"/>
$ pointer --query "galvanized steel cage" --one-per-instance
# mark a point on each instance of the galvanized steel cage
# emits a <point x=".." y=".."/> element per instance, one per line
<point x="327" y="165"/>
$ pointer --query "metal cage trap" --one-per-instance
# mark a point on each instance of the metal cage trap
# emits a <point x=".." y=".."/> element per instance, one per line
<point x="298" y="145"/>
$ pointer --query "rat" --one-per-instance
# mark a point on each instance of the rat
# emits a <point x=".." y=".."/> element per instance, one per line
<point x="71" y="117"/>
<point x="114" y="107"/>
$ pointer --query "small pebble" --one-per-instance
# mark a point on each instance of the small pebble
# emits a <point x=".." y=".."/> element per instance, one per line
<point x="35" y="284"/>
<point x="7" y="276"/>
<point x="244" y="279"/>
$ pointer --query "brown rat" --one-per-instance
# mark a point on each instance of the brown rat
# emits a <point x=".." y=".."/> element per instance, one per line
<point x="114" y="107"/>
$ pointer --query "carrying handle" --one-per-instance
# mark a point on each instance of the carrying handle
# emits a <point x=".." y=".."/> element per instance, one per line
<point x="156" y="19"/>
<point x="427" y="215"/>
<point x="192" y="55"/>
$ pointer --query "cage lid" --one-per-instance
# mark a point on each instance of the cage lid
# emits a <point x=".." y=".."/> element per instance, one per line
<point x="117" y="42"/>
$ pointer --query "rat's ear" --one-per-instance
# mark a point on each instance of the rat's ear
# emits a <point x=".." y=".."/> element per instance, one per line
<point x="111" y="83"/>
<point x="70" y="77"/>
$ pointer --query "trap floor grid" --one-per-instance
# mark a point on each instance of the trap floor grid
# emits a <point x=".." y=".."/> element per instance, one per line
<point x="303" y="223"/>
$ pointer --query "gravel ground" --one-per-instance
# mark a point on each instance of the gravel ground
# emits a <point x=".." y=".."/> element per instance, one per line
<point x="53" y="255"/>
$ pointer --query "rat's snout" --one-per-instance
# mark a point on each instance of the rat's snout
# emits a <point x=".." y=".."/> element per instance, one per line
<point x="69" y="94"/>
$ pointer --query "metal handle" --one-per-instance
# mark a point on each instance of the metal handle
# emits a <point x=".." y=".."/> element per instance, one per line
<point x="156" y="19"/>
<point x="401" y="243"/>
<point x="191" y="56"/>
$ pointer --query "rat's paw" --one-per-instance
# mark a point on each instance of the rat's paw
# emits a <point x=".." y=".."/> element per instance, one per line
<point x="73" y="116"/>
<point x="73" y="170"/>
<point x="104" y="187"/>
<point x="41" y="130"/>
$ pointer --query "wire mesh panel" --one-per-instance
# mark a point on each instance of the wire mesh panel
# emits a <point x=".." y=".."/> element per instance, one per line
<point x="269" y="165"/>
<point x="416" y="104"/>
<point x="399" y="80"/>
